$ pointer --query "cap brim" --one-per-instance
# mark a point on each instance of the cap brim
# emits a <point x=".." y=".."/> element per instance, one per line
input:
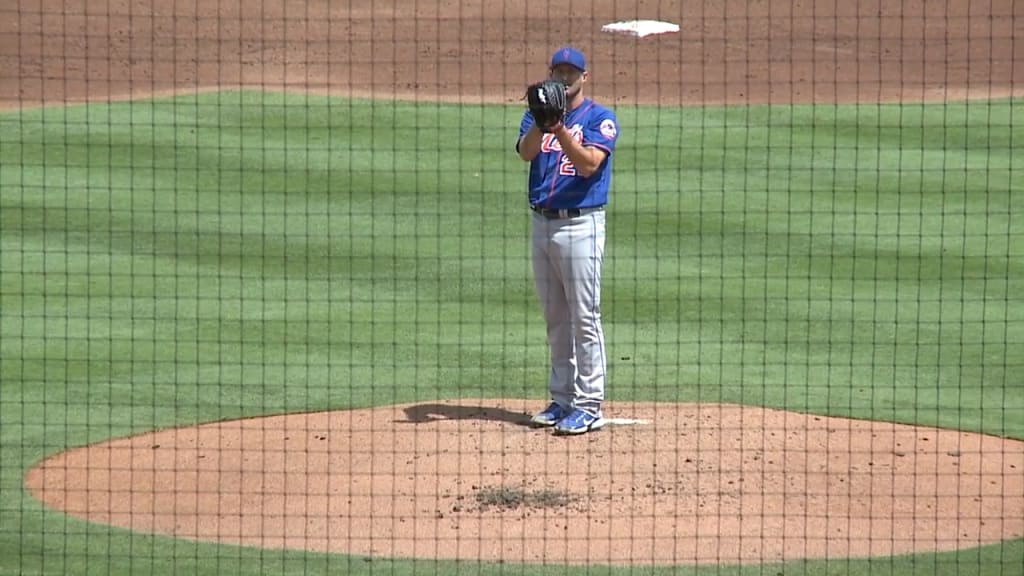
<point x="573" y="64"/>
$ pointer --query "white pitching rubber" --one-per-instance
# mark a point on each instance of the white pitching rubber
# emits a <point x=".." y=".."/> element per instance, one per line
<point x="624" y="421"/>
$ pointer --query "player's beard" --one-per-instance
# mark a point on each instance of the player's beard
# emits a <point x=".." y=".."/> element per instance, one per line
<point x="571" y="90"/>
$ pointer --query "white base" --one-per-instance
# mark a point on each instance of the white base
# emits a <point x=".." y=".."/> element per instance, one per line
<point x="640" y="28"/>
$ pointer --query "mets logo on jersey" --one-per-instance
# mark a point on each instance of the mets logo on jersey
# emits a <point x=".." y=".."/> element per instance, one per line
<point x="549" y="142"/>
<point x="608" y="129"/>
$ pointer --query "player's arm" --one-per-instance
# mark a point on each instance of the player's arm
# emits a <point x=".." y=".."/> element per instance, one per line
<point x="528" y="145"/>
<point x="586" y="159"/>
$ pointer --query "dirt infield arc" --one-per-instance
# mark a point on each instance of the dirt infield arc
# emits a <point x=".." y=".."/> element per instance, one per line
<point x="688" y="484"/>
<point x="727" y="51"/>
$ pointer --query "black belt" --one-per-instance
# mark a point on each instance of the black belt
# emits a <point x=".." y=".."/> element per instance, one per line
<point x="553" y="213"/>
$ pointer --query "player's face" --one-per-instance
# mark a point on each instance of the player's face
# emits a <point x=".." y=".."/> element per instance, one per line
<point x="571" y="76"/>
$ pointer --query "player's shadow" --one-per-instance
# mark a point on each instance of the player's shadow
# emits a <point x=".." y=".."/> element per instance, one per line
<point x="421" y="413"/>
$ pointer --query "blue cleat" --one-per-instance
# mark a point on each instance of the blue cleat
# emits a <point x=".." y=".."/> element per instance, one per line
<point x="578" y="422"/>
<point x="550" y="415"/>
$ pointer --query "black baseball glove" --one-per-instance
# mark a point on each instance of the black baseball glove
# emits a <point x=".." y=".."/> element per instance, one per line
<point x="546" y="101"/>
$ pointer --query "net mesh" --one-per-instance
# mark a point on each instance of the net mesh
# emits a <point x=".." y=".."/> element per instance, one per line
<point x="273" y="299"/>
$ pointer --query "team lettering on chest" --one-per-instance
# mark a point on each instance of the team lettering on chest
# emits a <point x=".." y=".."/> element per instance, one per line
<point x="549" y="142"/>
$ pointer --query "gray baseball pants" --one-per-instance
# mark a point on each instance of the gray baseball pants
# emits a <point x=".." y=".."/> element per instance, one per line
<point x="567" y="258"/>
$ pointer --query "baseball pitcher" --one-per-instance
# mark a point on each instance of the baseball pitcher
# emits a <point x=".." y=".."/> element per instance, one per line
<point x="568" y="140"/>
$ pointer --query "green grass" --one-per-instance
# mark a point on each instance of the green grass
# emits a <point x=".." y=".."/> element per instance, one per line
<point x="203" y="258"/>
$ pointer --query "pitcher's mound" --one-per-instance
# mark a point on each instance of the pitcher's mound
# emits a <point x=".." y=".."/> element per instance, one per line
<point x="663" y="484"/>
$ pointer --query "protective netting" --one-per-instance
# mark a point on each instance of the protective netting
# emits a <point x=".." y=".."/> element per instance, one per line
<point x="273" y="298"/>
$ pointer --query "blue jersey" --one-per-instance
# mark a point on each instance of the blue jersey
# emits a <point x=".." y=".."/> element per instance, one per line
<point x="554" y="182"/>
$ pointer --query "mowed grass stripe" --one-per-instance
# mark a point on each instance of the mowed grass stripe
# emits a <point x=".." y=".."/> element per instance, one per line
<point x="796" y="257"/>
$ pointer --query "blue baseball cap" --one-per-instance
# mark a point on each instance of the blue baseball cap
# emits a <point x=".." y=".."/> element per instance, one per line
<point x="568" y="55"/>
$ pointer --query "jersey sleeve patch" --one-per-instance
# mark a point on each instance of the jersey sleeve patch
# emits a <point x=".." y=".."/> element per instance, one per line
<point x="608" y="129"/>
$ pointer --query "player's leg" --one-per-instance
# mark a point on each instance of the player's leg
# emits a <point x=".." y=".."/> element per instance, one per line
<point x="547" y="276"/>
<point x="581" y="265"/>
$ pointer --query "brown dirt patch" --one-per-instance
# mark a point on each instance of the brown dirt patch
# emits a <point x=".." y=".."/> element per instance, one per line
<point x="469" y="479"/>
<point x="727" y="51"/>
